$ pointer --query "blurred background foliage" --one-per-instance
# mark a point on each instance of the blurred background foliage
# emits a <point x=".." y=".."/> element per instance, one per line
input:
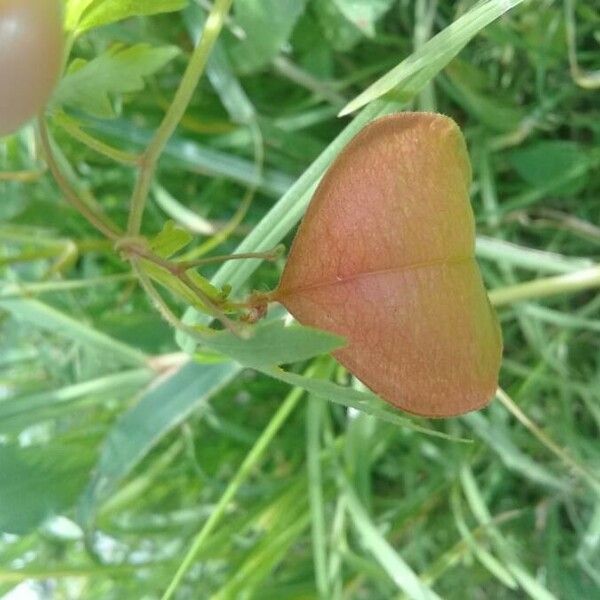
<point x="115" y="452"/>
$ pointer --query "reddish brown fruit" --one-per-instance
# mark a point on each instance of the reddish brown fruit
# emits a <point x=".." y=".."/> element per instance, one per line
<point x="385" y="257"/>
<point x="31" y="46"/>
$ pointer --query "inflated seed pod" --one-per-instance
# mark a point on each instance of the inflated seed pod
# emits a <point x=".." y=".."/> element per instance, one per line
<point x="385" y="257"/>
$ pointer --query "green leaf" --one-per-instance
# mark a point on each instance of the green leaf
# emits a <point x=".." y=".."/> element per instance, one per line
<point x="511" y="565"/>
<point x="158" y="412"/>
<point x="90" y="86"/>
<point x="413" y="73"/>
<point x="170" y="240"/>
<point x="37" y="483"/>
<point x="274" y="343"/>
<point x="267" y="25"/>
<point x="315" y="418"/>
<point x="544" y="162"/>
<point x="83" y="15"/>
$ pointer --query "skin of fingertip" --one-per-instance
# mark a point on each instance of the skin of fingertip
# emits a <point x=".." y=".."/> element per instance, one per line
<point x="31" y="49"/>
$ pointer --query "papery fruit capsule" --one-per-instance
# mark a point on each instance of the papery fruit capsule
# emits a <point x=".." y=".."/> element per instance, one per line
<point x="31" y="47"/>
<point x="385" y="257"/>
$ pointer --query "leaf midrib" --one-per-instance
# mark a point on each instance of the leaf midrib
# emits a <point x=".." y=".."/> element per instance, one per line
<point x="438" y="262"/>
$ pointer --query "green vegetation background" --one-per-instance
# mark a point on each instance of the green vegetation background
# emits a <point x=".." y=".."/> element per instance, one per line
<point x="279" y="494"/>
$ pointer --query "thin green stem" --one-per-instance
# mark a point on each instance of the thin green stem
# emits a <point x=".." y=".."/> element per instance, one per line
<point x="30" y="256"/>
<point x="33" y="289"/>
<point x="211" y="306"/>
<point x="156" y="299"/>
<point x="244" y="206"/>
<point x="139" y="255"/>
<point x="180" y="273"/>
<point x="183" y="96"/>
<point x="587" y="80"/>
<point x="98" y="220"/>
<point x="304" y="79"/>
<point x="549" y="286"/>
<point x="21" y="176"/>
<point x="161" y="306"/>
<point x="13" y="577"/>
<point x="186" y="265"/>
<point x="73" y="129"/>
<point x="251" y="461"/>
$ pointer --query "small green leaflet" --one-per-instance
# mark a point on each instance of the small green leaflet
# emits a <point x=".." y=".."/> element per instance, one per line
<point x="170" y="240"/>
<point x="180" y="289"/>
<point x="273" y="343"/>
<point x="74" y="11"/>
<point x="89" y="86"/>
<point x="83" y="15"/>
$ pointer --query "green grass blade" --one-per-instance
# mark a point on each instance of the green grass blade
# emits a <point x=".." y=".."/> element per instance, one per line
<point x="486" y="558"/>
<point x="252" y="459"/>
<point x="503" y="547"/>
<point x="183" y="153"/>
<point x="157" y="413"/>
<point x="24" y="410"/>
<point x="314" y="422"/>
<point x="48" y="318"/>
<point x="397" y="569"/>
<point x="499" y="439"/>
<point x="413" y="73"/>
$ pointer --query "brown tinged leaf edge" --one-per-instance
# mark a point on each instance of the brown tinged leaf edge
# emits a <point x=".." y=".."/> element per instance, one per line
<point x="385" y="257"/>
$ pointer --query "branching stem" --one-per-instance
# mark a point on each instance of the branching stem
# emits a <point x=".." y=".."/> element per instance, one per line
<point x="100" y="221"/>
